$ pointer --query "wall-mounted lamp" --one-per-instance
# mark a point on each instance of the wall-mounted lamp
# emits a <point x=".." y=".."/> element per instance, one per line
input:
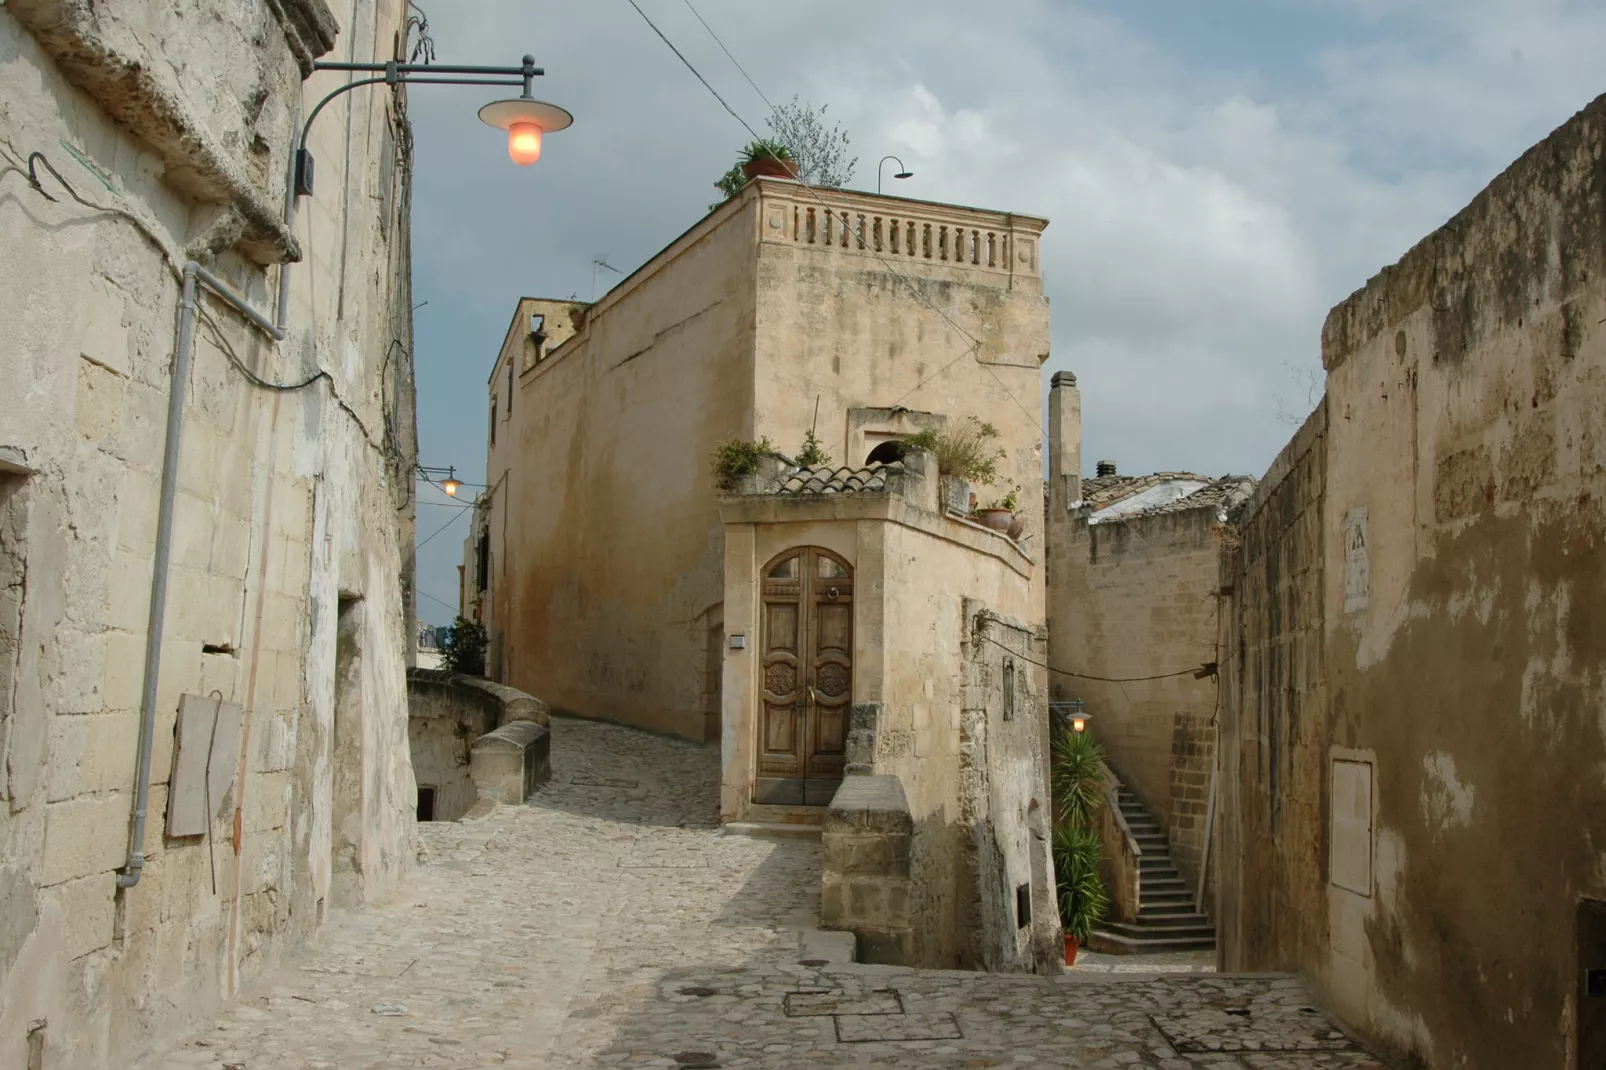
<point x="449" y="484"/>
<point x="903" y="172"/>
<point x="524" y="118"/>
<point x="1071" y="713"/>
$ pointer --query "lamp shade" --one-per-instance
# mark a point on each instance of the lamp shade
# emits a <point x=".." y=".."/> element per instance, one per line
<point x="506" y="114"/>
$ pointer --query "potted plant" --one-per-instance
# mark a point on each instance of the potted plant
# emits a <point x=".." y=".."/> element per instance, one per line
<point x="1000" y="516"/>
<point x="813" y="454"/>
<point x="737" y="461"/>
<point x="964" y="456"/>
<point x="768" y="158"/>
<point x="1082" y="898"/>
<point x="1077" y="780"/>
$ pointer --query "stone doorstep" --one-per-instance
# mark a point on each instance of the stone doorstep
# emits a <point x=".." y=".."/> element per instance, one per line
<point x="774" y="829"/>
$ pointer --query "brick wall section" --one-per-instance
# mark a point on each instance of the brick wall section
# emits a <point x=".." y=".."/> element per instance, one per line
<point x="1136" y="598"/>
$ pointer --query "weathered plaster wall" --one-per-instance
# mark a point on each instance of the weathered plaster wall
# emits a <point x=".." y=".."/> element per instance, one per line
<point x="1137" y="598"/>
<point x="1461" y="595"/>
<point x="1270" y="911"/>
<point x="849" y="325"/>
<point x="286" y="591"/>
<point x="1004" y="803"/>
<point x="733" y="331"/>
<point x="611" y="554"/>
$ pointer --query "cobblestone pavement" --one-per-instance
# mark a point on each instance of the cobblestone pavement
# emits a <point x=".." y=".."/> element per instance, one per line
<point x="610" y="923"/>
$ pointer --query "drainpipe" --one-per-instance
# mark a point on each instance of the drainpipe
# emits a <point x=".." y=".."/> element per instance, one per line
<point x="194" y="275"/>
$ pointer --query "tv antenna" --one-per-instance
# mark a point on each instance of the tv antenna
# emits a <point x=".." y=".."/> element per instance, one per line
<point x="600" y="260"/>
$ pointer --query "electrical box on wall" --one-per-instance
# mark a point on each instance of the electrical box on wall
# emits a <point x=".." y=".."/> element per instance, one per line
<point x="206" y="753"/>
<point x="738" y="642"/>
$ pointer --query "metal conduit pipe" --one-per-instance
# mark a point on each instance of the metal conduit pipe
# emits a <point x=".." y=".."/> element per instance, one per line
<point x="194" y="276"/>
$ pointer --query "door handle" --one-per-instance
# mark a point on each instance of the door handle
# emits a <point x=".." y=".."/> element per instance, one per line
<point x="811" y="694"/>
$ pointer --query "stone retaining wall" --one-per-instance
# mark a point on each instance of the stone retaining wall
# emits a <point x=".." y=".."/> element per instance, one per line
<point x="472" y="739"/>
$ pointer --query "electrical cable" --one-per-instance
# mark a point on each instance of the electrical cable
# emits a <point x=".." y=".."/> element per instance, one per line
<point x="437" y="531"/>
<point x="733" y="59"/>
<point x="1200" y="672"/>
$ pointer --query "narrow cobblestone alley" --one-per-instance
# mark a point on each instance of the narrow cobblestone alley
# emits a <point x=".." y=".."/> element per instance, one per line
<point x="610" y="923"/>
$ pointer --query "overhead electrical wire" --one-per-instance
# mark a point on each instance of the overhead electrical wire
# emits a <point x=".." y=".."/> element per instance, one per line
<point x="975" y="343"/>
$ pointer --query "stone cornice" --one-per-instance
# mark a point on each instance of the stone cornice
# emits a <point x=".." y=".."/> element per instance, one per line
<point x="309" y="28"/>
<point x="138" y="94"/>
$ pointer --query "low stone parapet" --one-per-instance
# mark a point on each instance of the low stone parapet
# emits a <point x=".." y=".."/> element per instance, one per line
<point x="864" y="867"/>
<point x="473" y="739"/>
<point x="510" y="763"/>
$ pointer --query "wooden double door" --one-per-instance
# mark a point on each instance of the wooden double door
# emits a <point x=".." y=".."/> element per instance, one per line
<point x="806" y="687"/>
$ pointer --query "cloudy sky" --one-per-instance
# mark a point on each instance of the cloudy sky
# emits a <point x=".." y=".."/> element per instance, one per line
<point x="1217" y="174"/>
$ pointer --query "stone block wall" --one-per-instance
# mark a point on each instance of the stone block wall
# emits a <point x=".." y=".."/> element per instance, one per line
<point x="471" y="738"/>
<point x="864" y="867"/>
<point x="1136" y="598"/>
<point x="1268" y="847"/>
<point x="292" y="522"/>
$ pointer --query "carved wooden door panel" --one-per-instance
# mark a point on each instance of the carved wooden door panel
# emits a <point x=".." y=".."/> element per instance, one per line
<point x="807" y="677"/>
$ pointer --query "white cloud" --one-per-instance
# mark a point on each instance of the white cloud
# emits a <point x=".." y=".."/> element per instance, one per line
<point x="1201" y="221"/>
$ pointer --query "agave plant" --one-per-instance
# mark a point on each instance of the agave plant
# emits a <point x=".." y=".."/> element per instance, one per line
<point x="1083" y="900"/>
<point x="1077" y="778"/>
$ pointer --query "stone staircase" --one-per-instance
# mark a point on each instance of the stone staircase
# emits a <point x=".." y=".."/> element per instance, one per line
<point x="1168" y="919"/>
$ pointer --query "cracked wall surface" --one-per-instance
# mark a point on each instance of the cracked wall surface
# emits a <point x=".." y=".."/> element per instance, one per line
<point x="175" y="121"/>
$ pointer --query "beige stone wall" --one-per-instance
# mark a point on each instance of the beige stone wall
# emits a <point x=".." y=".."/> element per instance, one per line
<point x="602" y="502"/>
<point x="930" y="690"/>
<point x="1462" y="662"/>
<point x="852" y="321"/>
<point x="1137" y="598"/>
<point x="1269" y="837"/>
<point x="287" y="580"/>
<point x="612" y="559"/>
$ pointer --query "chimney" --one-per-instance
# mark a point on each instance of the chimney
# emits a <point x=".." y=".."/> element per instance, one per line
<point x="1064" y="441"/>
<point x="1106" y="468"/>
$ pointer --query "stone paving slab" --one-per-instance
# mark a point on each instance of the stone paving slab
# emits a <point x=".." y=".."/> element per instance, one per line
<point x="611" y="926"/>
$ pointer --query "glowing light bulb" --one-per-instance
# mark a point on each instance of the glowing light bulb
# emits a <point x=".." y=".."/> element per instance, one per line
<point x="524" y="143"/>
<point x="450" y="487"/>
<point x="1079" y="723"/>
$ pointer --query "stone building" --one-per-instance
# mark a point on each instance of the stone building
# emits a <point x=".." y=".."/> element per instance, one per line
<point x="1413" y="807"/>
<point x="815" y="621"/>
<point x="144" y="153"/>
<point x="1133" y="609"/>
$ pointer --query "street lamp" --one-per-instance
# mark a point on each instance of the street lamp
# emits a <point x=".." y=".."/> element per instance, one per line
<point x="903" y="172"/>
<point x="1073" y="712"/>
<point x="524" y="118"/>
<point x="450" y="484"/>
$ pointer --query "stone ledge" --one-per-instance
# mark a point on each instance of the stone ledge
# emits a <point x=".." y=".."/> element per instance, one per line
<point x="509" y="703"/>
<point x="81" y="39"/>
<point x="510" y="763"/>
<point x="870" y="802"/>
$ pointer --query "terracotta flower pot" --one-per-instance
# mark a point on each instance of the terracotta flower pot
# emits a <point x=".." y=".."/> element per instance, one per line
<point x="1017" y="525"/>
<point x="997" y="519"/>
<point x="769" y="167"/>
<point x="1071" y="947"/>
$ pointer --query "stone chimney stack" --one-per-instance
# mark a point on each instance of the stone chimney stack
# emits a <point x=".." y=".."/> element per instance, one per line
<point x="1064" y="440"/>
<point x="1106" y="468"/>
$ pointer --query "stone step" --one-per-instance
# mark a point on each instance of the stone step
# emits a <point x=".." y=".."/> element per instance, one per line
<point x="1163" y="932"/>
<point x="1156" y="862"/>
<point x="1163" y="884"/>
<point x="1111" y="943"/>
<point x="1166" y="900"/>
<point x="1163" y="912"/>
<point x="772" y="829"/>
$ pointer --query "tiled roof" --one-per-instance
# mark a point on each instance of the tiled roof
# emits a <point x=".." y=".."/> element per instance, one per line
<point x="1163" y="492"/>
<point x="844" y="480"/>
